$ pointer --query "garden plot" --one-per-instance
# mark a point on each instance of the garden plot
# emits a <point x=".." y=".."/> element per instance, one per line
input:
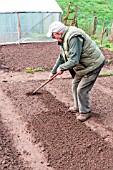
<point x="38" y="130"/>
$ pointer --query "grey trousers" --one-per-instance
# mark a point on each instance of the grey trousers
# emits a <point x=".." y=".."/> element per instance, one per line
<point x="80" y="90"/>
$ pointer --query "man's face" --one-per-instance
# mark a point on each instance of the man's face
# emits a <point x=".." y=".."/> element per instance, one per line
<point x="57" y="36"/>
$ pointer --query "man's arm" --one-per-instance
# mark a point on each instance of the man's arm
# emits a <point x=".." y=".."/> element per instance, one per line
<point x="75" y="49"/>
<point x="59" y="61"/>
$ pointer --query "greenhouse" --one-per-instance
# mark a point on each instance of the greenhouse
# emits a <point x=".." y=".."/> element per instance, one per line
<point x="27" y="20"/>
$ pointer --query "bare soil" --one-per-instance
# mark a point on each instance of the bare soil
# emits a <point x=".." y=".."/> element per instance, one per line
<point x="37" y="132"/>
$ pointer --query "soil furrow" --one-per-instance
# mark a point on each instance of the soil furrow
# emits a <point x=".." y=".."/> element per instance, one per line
<point x="9" y="157"/>
<point x="31" y="154"/>
<point x="68" y="144"/>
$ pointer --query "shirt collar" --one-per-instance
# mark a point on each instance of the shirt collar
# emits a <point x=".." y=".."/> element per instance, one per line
<point x="64" y="33"/>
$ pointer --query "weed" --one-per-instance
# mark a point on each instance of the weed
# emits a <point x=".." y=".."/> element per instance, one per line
<point x="106" y="74"/>
<point x="30" y="70"/>
<point x="38" y="69"/>
<point x="109" y="61"/>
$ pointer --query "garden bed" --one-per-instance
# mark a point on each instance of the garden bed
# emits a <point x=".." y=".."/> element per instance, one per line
<point x="38" y="132"/>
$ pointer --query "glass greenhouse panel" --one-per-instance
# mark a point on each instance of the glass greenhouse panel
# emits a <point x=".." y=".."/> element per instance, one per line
<point x="8" y="28"/>
<point x="26" y="27"/>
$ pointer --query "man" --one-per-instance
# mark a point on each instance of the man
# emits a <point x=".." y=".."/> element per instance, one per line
<point x="80" y="55"/>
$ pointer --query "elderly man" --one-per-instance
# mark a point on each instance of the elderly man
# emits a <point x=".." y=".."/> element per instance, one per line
<point x="81" y="56"/>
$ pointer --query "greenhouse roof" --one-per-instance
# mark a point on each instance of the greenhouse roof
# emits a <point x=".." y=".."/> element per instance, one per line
<point x="11" y="6"/>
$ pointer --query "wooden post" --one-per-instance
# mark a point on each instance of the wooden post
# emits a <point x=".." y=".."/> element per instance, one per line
<point x="106" y="31"/>
<point x="94" y="25"/>
<point x="111" y="34"/>
<point x="102" y="34"/>
<point x="74" y="20"/>
<point x="67" y="14"/>
<point x="19" y="29"/>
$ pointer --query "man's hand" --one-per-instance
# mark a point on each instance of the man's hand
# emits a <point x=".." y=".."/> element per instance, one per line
<point x="51" y="76"/>
<point x="59" y="71"/>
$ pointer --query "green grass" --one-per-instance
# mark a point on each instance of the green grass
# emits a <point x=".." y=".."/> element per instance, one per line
<point x="87" y="10"/>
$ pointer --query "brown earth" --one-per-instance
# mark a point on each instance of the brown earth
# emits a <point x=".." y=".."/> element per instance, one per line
<point x="37" y="132"/>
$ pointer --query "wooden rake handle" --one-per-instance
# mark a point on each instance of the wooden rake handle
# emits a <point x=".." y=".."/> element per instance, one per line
<point x="45" y="83"/>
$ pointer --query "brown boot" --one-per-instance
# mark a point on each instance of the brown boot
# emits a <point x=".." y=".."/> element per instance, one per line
<point x="73" y="109"/>
<point x="84" y="116"/>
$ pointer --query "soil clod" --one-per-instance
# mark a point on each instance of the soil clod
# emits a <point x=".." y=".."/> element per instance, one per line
<point x="32" y="93"/>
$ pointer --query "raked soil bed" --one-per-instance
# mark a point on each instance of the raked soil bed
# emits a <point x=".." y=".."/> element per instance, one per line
<point x="37" y="132"/>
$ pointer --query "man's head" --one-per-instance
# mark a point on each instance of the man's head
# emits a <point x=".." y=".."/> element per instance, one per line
<point x="56" y="30"/>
